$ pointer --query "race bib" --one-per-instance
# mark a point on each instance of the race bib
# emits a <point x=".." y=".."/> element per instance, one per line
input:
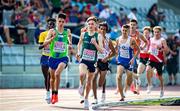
<point x="89" y="55"/>
<point x="124" y="53"/>
<point x="59" y="47"/>
<point x="154" y="51"/>
<point x="102" y="55"/>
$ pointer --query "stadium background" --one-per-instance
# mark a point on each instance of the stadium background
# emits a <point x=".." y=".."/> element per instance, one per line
<point x="19" y="62"/>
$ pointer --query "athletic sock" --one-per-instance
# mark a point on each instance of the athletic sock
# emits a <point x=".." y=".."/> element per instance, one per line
<point x="53" y="92"/>
<point x="56" y="92"/>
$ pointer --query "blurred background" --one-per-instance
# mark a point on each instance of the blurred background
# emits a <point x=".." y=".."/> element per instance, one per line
<point x="21" y="22"/>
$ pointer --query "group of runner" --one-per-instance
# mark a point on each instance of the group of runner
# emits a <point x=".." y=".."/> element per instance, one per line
<point x="94" y="51"/>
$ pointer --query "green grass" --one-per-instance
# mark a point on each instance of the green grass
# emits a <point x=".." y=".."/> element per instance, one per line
<point x="153" y="102"/>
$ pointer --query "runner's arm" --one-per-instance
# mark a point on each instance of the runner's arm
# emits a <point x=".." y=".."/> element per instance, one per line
<point x="134" y="45"/>
<point x="165" y="47"/>
<point x="50" y="36"/>
<point x="69" y="37"/>
<point x="116" y="47"/>
<point x="98" y="46"/>
<point x="142" y="37"/>
<point x="80" y="44"/>
<point x="113" y="52"/>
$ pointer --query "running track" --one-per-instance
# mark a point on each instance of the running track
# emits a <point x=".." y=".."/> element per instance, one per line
<point x="33" y="100"/>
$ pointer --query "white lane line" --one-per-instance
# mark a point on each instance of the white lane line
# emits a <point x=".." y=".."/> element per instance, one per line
<point x="120" y="103"/>
<point x="21" y="95"/>
<point x="12" y="98"/>
<point x="22" y="101"/>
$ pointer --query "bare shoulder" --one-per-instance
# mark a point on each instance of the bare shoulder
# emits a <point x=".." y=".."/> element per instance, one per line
<point x="82" y="35"/>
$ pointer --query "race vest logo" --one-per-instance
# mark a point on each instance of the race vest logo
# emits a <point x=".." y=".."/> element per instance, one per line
<point x="60" y="36"/>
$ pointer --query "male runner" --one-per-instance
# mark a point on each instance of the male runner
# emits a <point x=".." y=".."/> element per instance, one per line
<point x="58" y="38"/>
<point x="88" y="47"/>
<point x="134" y="33"/>
<point x="158" y="49"/>
<point x="144" y="55"/>
<point x="126" y="58"/>
<point x="45" y="57"/>
<point x="102" y="63"/>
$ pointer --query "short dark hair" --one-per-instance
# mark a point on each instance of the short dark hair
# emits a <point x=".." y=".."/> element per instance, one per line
<point x="51" y="20"/>
<point x="126" y="26"/>
<point x="62" y="15"/>
<point x="105" y="25"/>
<point x="51" y="23"/>
<point x="133" y="20"/>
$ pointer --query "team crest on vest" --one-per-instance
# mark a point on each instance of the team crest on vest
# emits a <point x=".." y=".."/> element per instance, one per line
<point x="60" y="36"/>
<point x="124" y="47"/>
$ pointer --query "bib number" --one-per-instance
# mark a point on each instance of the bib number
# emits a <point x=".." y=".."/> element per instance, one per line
<point x="59" y="47"/>
<point x="124" y="53"/>
<point x="154" y="52"/>
<point x="89" y="55"/>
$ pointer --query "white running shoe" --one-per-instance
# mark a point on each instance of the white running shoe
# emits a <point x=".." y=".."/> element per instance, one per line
<point x="48" y="97"/>
<point x="161" y="93"/>
<point x="149" y="89"/>
<point x="103" y="97"/>
<point x="80" y="90"/>
<point x="95" y="101"/>
<point x="86" y="104"/>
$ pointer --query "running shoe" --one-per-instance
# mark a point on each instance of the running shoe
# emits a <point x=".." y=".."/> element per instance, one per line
<point x="122" y="99"/>
<point x="55" y="99"/>
<point x="103" y="97"/>
<point x="48" y="97"/>
<point x="95" y="101"/>
<point x="86" y="104"/>
<point x="149" y="89"/>
<point x="161" y="93"/>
